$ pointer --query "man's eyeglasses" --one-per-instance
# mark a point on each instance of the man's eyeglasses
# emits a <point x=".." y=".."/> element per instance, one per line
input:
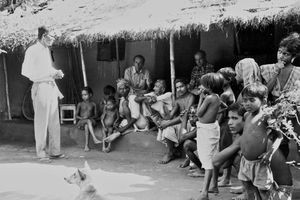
<point x="49" y="36"/>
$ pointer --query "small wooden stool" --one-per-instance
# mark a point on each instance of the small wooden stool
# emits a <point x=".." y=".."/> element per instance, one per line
<point x="67" y="107"/>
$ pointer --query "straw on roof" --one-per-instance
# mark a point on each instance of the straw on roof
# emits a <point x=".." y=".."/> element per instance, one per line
<point x="90" y="20"/>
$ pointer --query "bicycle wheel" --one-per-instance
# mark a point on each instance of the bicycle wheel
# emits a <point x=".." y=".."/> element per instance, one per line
<point x="27" y="107"/>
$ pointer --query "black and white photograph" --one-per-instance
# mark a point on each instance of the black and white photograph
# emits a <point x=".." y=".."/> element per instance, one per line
<point x="149" y="99"/>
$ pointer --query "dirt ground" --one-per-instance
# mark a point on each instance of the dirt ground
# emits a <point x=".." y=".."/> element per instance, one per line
<point x="117" y="175"/>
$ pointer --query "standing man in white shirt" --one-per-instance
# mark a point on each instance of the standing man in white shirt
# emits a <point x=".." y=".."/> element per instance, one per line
<point x="39" y="68"/>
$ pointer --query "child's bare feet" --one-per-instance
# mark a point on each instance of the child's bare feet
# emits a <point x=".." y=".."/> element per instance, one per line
<point x="166" y="159"/>
<point x="86" y="149"/>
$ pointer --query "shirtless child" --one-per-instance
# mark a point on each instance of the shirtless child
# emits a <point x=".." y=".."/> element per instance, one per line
<point x="86" y="113"/>
<point x="208" y="129"/>
<point x="255" y="171"/>
<point x="254" y="144"/>
<point x="109" y="118"/>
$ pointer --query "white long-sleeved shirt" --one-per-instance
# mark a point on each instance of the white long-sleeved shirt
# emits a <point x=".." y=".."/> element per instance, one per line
<point x="37" y="65"/>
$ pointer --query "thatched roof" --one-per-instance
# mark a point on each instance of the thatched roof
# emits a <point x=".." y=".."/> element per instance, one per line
<point x="90" y="20"/>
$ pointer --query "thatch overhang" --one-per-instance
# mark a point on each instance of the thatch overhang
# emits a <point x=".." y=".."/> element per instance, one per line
<point x="94" y="20"/>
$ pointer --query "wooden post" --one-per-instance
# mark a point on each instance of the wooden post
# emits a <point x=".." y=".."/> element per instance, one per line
<point x="172" y="64"/>
<point x="118" y="59"/>
<point x="83" y="65"/>
<point x="6" y="87"/>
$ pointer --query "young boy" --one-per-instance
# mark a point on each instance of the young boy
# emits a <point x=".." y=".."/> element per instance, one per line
<point x="208" y="129"/>
<point x="109" y="118"/>
<point x="255" y="171"/>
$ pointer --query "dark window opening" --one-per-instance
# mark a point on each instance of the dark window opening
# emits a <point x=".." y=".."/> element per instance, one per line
<point x="107" y="50"/>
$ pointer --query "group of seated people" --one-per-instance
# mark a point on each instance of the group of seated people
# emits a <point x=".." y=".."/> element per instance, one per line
<point x="217" y="125"/>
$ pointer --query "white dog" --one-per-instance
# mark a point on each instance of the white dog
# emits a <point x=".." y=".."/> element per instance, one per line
<point x="83" y="180"/>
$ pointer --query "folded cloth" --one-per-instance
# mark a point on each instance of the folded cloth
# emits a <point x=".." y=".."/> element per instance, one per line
<point x="171" y="133"/>
<point x="208" y="136"/>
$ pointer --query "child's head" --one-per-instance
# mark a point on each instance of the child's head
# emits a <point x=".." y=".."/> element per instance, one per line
<point x="109" y="90"/>
<point x="111" y="103"/>
<point x="236" y="118"/>
<point x="192" y="115"/>
<point x="229" y="75"/>
<point x="159" y="87"/>
<point x="181" y="87"/>
<point x="86" y="93"/>
<point x="289" y="47"/>
<point x="213" y="82"/>
<point x="254" y="96"/>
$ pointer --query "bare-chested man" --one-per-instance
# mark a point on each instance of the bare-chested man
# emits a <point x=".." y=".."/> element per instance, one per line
<point x="171" y="129"/>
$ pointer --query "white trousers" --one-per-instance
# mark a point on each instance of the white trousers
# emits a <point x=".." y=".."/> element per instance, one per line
<point x="46" y="118"/>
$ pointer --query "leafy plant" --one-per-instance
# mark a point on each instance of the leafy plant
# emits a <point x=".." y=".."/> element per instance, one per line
<point x="285" y="108"/>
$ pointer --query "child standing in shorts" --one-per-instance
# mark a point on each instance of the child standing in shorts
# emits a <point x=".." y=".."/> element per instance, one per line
<point x="255" y="171"/>
<point x="208" y="129"/>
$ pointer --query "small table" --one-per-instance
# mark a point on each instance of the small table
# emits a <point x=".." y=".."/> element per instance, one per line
<point x="67" y="107"/>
